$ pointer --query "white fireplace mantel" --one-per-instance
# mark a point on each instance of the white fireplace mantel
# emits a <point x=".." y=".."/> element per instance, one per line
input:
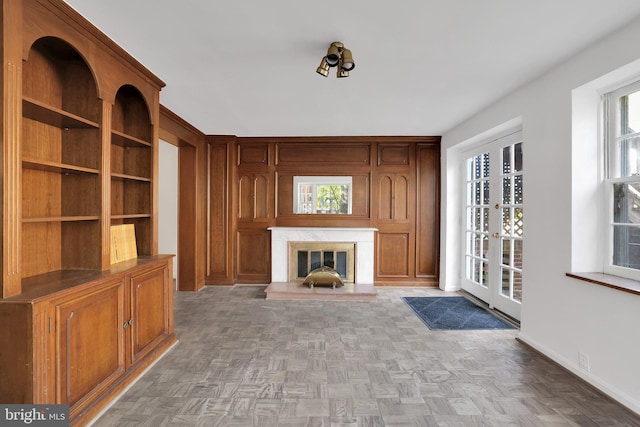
<point x="362" y="237"/>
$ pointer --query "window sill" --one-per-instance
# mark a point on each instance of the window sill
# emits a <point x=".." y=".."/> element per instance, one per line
<point x="614" y="282"/>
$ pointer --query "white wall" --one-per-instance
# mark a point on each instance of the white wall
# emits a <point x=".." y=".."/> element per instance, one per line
<point x="560" y="316"/>
<point x="168" y="201"/>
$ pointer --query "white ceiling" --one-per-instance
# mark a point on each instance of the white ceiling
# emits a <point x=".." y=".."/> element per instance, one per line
<point x="247" y="67"/>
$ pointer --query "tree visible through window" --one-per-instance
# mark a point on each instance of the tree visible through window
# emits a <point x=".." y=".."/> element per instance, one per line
<point x="322" y="195"/>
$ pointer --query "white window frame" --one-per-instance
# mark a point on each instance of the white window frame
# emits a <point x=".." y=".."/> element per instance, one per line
<point x="316" y="181"/>
<point x="611" y="124"/>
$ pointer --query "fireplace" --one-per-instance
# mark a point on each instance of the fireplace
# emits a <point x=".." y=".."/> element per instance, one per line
<point x="307" y="256"/>
<point x="353" y="246"/>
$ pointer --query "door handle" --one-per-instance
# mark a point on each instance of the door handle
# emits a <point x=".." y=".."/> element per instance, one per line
<point x="496" y="235"/>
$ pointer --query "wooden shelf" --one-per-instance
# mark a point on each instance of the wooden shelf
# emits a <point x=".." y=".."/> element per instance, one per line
<point x="60" y="218"/>
<point x="130" y="216"/>
<point x="123" y="177"/>
<point x="56" y="167"/>
<point x="36" y="110"/>
<point x="124" y="140"/>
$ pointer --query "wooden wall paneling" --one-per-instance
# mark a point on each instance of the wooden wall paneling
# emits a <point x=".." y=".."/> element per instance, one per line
<point x="187" y="218"/>
<point x="428" y="219"/>
<point x="219" y="248"/>
<point x="386" y="196"/>
<point x="193" y="198"/>
<point x="393" y="154"/>
<point x="393" y="256"/>
<point x="325" y="154"/>
<point x="253" y="255"/>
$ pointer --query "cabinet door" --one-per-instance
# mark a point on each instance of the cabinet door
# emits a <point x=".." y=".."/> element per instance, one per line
<point x="149" y="305"/>
<point x="90" y="339"/>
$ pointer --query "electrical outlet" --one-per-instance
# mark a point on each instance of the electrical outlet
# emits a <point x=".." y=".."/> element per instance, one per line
<point x="583" y="361"/>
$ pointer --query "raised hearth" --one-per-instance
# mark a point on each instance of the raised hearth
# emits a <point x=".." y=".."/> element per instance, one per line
<point x="298" y="291"/>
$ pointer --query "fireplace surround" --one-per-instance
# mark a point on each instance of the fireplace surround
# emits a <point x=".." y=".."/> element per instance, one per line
<point x="362" y="240"/>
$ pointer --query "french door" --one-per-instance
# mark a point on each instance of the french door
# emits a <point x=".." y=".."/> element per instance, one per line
<point x="493" y="224"/>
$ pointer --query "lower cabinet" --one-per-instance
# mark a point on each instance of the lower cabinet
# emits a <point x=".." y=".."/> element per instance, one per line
<point x="85" y="341"/>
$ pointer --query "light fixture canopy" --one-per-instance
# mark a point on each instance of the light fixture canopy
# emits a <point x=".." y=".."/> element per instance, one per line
<point x="337" y="56"/>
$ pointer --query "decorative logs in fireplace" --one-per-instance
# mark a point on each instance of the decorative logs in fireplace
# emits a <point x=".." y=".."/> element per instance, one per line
<point x="323" y="276"/>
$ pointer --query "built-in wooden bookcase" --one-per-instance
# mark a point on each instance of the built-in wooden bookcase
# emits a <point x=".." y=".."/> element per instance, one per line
<point x="78" y="155"/>
<point x="61" y="196"/>
<point x="131" y="166"/>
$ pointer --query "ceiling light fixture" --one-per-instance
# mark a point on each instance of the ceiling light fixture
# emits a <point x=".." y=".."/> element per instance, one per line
<point x="337" y="55"/>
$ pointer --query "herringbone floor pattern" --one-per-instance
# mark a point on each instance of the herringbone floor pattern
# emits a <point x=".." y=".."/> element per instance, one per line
<point x="245" y="361"/>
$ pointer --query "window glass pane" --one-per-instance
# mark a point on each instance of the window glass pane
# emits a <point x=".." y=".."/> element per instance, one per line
<point x="626" y="203"/>
<point x="630" y="113"/>
<point x="626" y="246"/>
<point x="629" y="156"/>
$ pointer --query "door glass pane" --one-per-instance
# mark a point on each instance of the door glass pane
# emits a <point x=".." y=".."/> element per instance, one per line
<point x="506" y="190"/>
<point x="517" y="254"/>
<point x="517" y="189"/>
<point x="506" y="159"/>
<point x="486" y="164"/>
<point x="517" y="286"/>
<point x="518" y="222"/>
<point x="506" y="221"/>
<point x="517" y="157"/>
<point x="505" y="288"/>
<point x="485" y="220"/>
<point x="506" y="252"/>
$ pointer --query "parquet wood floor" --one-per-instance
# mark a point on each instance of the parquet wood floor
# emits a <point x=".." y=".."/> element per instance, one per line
<point x="245" y="361"/>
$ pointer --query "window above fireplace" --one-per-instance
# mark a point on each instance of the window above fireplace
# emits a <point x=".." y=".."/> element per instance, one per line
<point x="322" y="195"/>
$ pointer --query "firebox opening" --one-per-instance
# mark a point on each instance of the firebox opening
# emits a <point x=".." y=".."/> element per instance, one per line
<point x="305" y="257"/>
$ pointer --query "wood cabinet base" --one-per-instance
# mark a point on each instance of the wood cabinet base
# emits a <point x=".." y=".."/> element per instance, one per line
<point x="80" y="337"/>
